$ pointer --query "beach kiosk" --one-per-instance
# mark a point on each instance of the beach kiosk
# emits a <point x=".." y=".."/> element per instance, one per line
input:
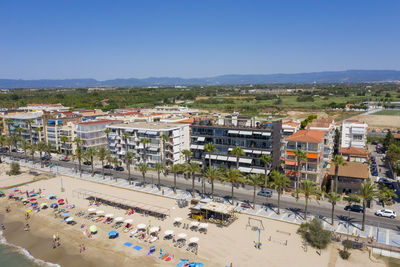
<point x="213" y="212"/>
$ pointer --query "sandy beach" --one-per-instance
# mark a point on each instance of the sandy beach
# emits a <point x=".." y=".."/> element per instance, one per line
<point x="219" y="247"/>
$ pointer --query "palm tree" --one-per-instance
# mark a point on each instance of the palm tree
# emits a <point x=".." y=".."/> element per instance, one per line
<point x="280" y="182"/>
<point x="337" y="161"/>
<point x="143" y="168"/>
<point x="192" y="168"/>
<point x="126" y="136"/>
<point x="266" y="160"/>
<point x="209" y="148"/>
<point x="211" y="175"/>
<point x="309" y="189"/>
<point x="175" y="169"/>
<point x="89" y="155"/>
<point x="102" y="154"/>
<point x="145" y="141"/>
<point x="79" y="155"/>
<point x="116" y="163"/>
<point x="64" y="140"/>
<point x="107" y="132"/>
<point x="25" y="146"/>
<point x="159" y="166"/>
<point x="3" y="142"/>
<point x="19" y="130"/>
<point x="29" y="123"/>
<point x="234" y="177"/>
<point x="237" y="152"/>
<point x="32" y="150"/>
<point x="129" y="156"/>
<point x="367" y="192"/>
<point x="187" y="153"/>
<point x="77" y="141"/>
<point x="164" y="138"/>
<point x="301" y="156"/>
<point x="41" y="147"/>
<point x="333" y="198"/>
<point x="9" y="122"/>
<point x="254" y="180"/>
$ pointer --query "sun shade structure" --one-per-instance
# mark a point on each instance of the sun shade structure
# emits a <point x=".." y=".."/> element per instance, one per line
<point x="203" y="225"/>
<point x="91" y="209"/>
<point x="141" y="226"/>
<point x="112" y="233"/>
<point x="169" y="232"/>
<point x="195" y="224"/>
<point x="182" y="235"/>
<point x="178" y="219"/>
<point x="119" y="219"/>
<point x="139" y="207"/>
<point x="43" y="205"/>
<point x="154" y="229"/>
<point x="60" y="201"/>
<point x="100" y="212"/>
<point x="69" y="219"/>
<point x="194" y="240"/>
<point x="33" y="199"/>
<point x="93" y="229"/>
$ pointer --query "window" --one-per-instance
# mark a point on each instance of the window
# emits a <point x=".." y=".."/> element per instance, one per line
<point x="357" y="137"/>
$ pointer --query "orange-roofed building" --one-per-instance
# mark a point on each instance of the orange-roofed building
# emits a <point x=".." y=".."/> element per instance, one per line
<point x="312" y="143"/>
<point x="354" y="154"/>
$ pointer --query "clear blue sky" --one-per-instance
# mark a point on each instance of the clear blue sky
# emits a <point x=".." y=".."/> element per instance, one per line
<point x="120" y="39"/>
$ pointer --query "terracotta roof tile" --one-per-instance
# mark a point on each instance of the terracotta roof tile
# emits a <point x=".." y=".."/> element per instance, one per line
<point x="310" y="136"/>
<point x="98" y="122"/>
<point x="352" y="170"/>
<point x="354" y="151"/>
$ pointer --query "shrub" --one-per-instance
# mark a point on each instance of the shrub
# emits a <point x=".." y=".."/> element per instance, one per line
<point x="314" y="233"/>
<point x="344" y="254"/>
<point x="14" y="169"/>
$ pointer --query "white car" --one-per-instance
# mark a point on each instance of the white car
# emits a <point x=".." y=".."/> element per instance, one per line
<point x="386" y="213"/>
<point x="21" y="151"/>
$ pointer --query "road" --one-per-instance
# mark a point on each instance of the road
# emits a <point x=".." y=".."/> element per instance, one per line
<point x="245" y="194"/>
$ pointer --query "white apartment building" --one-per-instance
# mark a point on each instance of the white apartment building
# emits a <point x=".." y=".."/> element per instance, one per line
<point x="354" y="134"/>
<point x="155" y="152"/>
<point x="92" y="132"/>
<point x="20" y="119"/>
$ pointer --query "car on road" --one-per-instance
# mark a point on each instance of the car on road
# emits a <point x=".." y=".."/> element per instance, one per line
<point x="354" y="208"/>
<point x="386" y="213"/>
<point x="265" y="193"/>
<point x="46" y="157"/>
<point x="119" y="168"/>
<point x="87" y="163"/>
<point x="20" y="151"/>
<point x="65" y="159"/>
<point x="108" y="166"/>
<point x="245" y="205"/>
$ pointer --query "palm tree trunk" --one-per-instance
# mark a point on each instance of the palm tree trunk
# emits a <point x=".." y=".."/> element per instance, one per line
<point x="305" y="210"/>
<point x="102" y="169"/>
<point x="336" y="177"/>
<point x="212" y="189"/>
<point x="193" y="185"/>
<point x="41" y="160"/>
<point x="91" y="160"/>
<point x="144" y="179"/>
<point x="279" y="200"/>
<point x="33" y="158"/>
<point x="233" y="202"/>
<point x="333" y="212"/>
<point x="298" y="179"/>
<point x="80" y="165"/>
<point x="30" y="134"/>
<point x="254" y="198"/>
<point x="265" y="176"/>
<point x="363" y="218"/>
<point x="209" y="159"/>
<point x="159" y="182"/>
<point x="174" y="183"/>
<point x="129" y="173"/>
<point x="237" y="163"/>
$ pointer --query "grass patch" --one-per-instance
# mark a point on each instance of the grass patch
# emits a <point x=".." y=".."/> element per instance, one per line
<point x="389" y="112"/>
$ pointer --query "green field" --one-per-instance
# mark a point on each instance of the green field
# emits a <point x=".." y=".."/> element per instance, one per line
<point x="391" y="112"/>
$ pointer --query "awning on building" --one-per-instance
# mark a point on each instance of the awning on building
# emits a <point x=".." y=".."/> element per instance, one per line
<point x="248" y="161"/>
<point x="151" y="132"/>
<point x="222" y="158"/>
<point x="266" y="134"/>
<point x="312" y="155"/>
<point x="290" y="153"/>
<point x="193" y="146"/>
<point x="258" y="171"/>
<point x="233" y="132"/>
<point x="266" y="152"/>
<point x="256" y="151"/>
<point x="244" y="169"/>
<point x="232" y="159"/>
<point x="201" y="139"/>
<point x="257" y="133"/>
<point x="201" y="147"/>
<point x="245" y="132"/>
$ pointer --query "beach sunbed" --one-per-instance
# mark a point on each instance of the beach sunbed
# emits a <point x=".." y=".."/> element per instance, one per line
<point x="162" y="255"/>
<point x="153" y="239"/>
<point x="165" y="256"/>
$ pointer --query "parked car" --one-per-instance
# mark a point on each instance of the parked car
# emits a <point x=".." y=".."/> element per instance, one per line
<point x="20" y="151"/>
<point x="375" y="173"/>
<point x="265" y="193"/>
<point x="108" y="166"/>
<point x="119" y="168"/>
<point x="46" y="157"/>
<point x="245" y="205"/>
<point x="354" y="208"/>
<point x="374" y="143"/>
<point x="65" y="159"/>
<point x="87" y="163"/>
<point x="386" y="213"/>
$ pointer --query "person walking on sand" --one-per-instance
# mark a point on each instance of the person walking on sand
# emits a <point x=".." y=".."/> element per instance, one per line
<point x="3" y="227"/>
<point x="80" y="249"/>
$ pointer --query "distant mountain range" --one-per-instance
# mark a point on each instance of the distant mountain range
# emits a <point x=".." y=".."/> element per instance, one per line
<point x="348" y="76"/>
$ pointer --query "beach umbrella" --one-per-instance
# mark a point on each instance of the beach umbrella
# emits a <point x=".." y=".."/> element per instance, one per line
<point x="109" y="215"/>
<point x="100" y="212"/>
<point x="1" y="193"/>
<point x="154" y="229"/>
<point x="128" y="221"/>
<point x="51" y="196"/>
<point x="17" y="190"/>
<point x="43" y="205"/>
<point x="69" y="219"/>
<point x="112" y="233"/>
<point x="60" y="201"/>
<point x="93" y="229"/>
<point x="169" y="232"/>
<point x="194" y="240"/>
<point x="33" y="199"/>
<point x="178" y="219"/>
<point x="28" y="211"/>
<point x="65" y="214"/>
<point x="91" y="209"/>
<point x="54" y="205"/>
<point x="141" y="226"/>
<point x="119" y="219"/>
<point x="11" y="194"/>
<point x="195" y="224"/>
<point x="15" y="187"/>
<point x="203" y="225"/>
<point x="182" y="235"/>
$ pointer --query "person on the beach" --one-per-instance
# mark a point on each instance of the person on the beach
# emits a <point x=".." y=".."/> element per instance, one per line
<point x="80" y="248"/>
<point x="8" y="209"/>
<point x="3" y="227"/>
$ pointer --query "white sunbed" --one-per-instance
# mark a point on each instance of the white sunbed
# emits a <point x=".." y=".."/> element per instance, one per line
<point x="154" y="239"/>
